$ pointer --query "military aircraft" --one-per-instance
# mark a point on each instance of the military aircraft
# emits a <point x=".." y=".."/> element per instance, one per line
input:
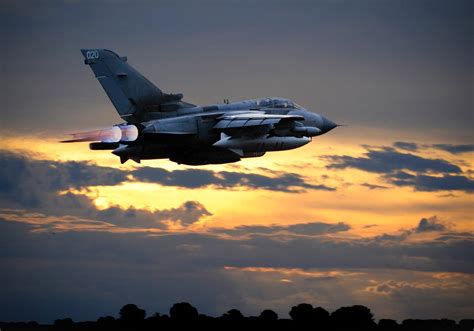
<point x="160" y="125"/>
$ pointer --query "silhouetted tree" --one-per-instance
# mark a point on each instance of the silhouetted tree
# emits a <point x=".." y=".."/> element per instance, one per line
<point x="467" y="324"/>
<point x="431" y="324"/>
<point x="106" y="323"/>
<point x="387" y="324"/>
<point x="353" y="317"/>
<point x="304" y="313"/>
<point x="153" y="322"/>
<point x="131" y="315"/>
<point x="268" y="315"/>
<point x="183" y="312"/>
<point x="304" y="317"/>
<point x="32" y="324"/>
<point x="154" y="317"/>
<point x="233" y="315"/>
<point x="447" y="323"/>
<point x="206" y="321"/>
<point x="64" y="324"/>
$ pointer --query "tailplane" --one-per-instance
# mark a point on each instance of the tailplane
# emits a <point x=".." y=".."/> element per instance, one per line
<point x="130" y="92"/>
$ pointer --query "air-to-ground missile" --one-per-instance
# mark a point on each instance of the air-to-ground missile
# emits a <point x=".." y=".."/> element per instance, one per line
<point x="262" y="143"/>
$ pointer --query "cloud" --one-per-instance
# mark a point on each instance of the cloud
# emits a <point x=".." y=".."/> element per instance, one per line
<point x="112" y="219"/>
<point x="405" y="169"/>
<point x="425" y="225"/>
<point x="374" y="187"/>
<point x="249" y="273"/>
<point x="306" y="245"/>
<point x="387" y="160"/>
<point x="41" y="187"/>
<point x="307" y="229"/>
<point x="421" y="182"/>
<point x="438" y="281"/>
<point x="44" y="186"/>
<point x="418" y="293"/>
<point x="189" y="212"/>
<point x="430" y="224"/>
<point x="451" y="148"/>
<point x="455" y="149"/>
<point x="197" y="178"/>
<point x="406" y="145"/>
<point x="184" y="215"/>
<point x="309" y="274"/>
<point x="118" y="248"/>
<point x="391" y="286"/>
<point x="368" y="226"/>
<point x="28" y="182"/>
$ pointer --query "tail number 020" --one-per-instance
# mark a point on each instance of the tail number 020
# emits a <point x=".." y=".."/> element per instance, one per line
<point x="92" y="54"/>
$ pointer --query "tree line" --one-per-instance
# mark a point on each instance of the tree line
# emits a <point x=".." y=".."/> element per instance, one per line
<point x="302" y="317"/>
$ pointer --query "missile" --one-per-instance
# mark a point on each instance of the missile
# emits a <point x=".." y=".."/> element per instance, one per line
<point x="98" y="146"/>
<point x="309" y="131"/>
<point x="262" y="143"/>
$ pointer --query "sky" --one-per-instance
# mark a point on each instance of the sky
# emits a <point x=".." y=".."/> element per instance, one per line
<point x="378" y="212"/>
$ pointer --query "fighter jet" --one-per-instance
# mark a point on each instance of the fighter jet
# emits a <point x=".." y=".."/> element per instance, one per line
<point x="159" y="125"/>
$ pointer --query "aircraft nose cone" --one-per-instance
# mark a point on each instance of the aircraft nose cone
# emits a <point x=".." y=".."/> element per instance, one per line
<point x="328" y="125"/>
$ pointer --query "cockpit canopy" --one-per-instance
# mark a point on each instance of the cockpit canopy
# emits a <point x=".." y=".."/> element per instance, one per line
<point x="277" y="103"/>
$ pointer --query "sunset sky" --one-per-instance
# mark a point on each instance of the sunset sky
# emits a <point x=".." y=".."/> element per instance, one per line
<point x="378" y="212"/>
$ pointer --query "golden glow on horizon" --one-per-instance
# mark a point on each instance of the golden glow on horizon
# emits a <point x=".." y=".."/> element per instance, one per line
<point x="368" y="212"/>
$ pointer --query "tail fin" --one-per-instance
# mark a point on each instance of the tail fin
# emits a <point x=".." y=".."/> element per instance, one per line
<point x="128" y="90"/>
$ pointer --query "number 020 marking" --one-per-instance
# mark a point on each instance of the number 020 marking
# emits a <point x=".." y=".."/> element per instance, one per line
<point x="92" y="54"/>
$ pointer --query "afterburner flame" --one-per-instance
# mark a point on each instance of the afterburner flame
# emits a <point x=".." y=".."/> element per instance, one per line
<point x="129" y="133"/>
<point x="109" y="135"/>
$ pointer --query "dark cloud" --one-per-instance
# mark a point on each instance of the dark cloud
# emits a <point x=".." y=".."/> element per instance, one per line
<point x="374" y="187"/>
<point x="455" y="149"/>
<point x="190" y="212"/>
<point x="196" y="178"/>
<point x="317" y="228"/>
<point x="368" y="226"/>
<point x="155" y="271"/>
<point x="85" y="217"/>
<point x="405" y="169"/>
<point x="189" y="178"/>
<point x="406" y="145"/>
<point x="42" y="186"/>
<point x="421" y="182"/>
<point x="416" y="295"/>
<point x="186" y="214"/>
<point x="430" y="224"/>
<point x="38" y="185"/>
<point x="29" y="183"/>
<point x="263" y="246"/>
<point x="308" y="229"/>
<point x="387" y="160"/>
<point x="451" y="148"/>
